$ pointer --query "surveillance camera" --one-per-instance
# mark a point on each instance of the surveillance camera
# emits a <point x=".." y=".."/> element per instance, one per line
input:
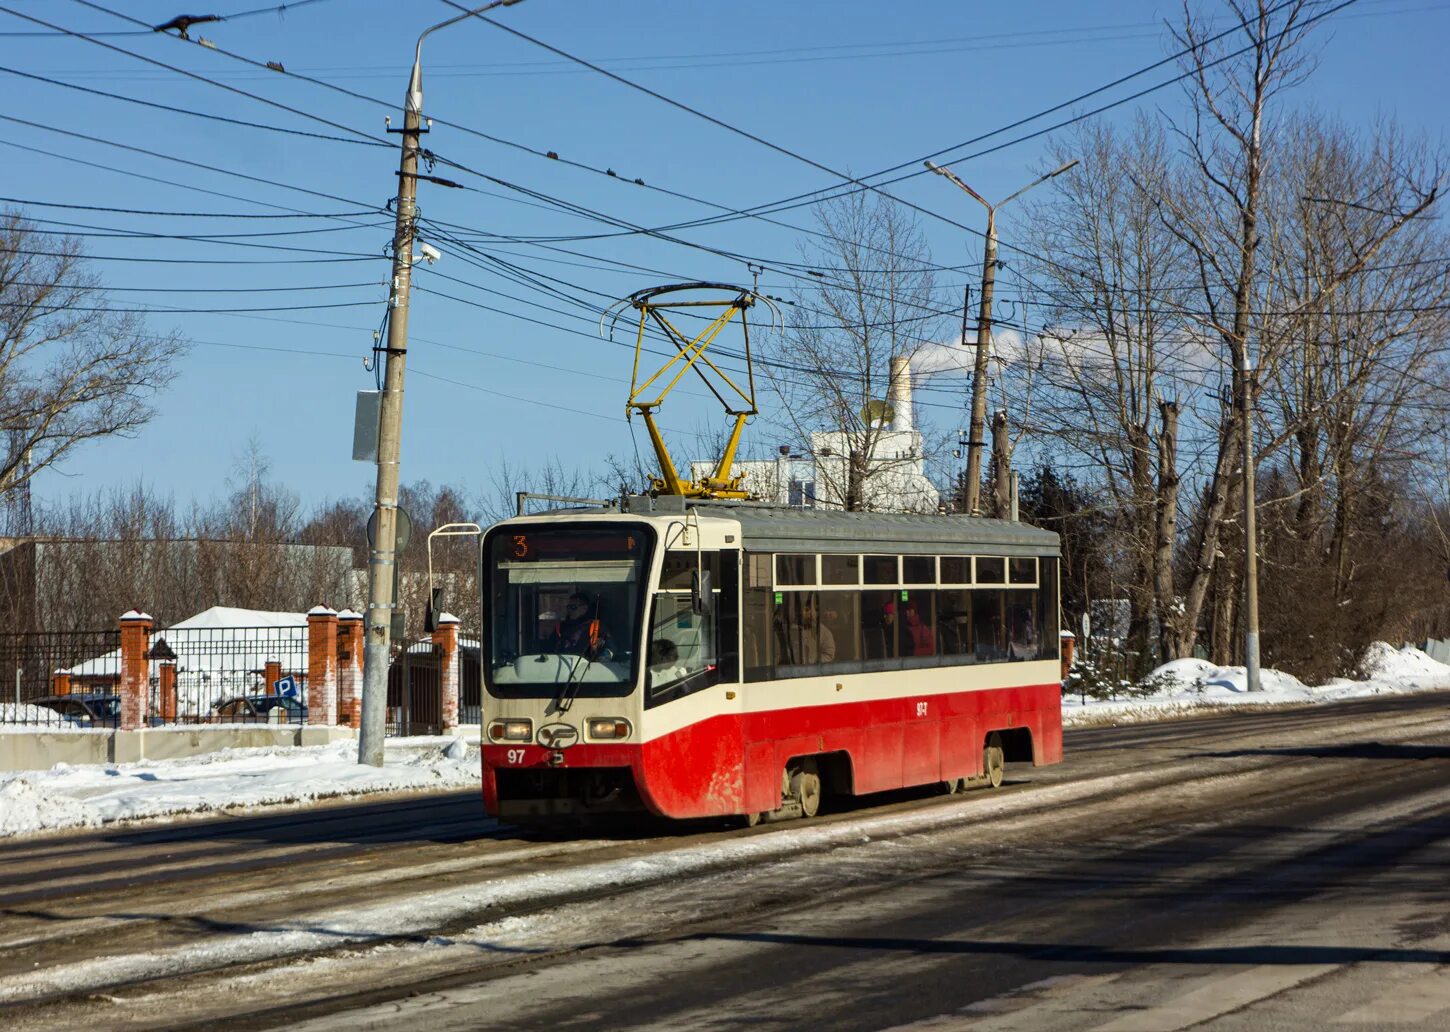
<point x="430" y="253"/>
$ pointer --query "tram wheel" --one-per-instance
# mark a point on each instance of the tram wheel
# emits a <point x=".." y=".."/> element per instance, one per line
<point x="993" y="761"/>
<point x="749" y="820"/>
<point x="805" y="788"/>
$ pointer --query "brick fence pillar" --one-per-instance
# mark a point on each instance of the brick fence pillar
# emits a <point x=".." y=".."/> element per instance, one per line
<point x="166" y="690"/>
<point x="271" y="674"/>
<point x="135" y="668"/>
<point x="445" y="639"/>
<point x="321" y="666"/>
<point x="1069" y="644"/>
<point x="60" y="683"/>
<point x="349" y="667"/>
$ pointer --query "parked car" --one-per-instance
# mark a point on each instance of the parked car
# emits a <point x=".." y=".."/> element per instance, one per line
<point x="260" y="709"/>
<point x="84" y="710"/>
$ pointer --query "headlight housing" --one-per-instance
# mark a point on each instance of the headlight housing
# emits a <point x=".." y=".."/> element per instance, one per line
<point x="509" y="730"/>
<point x="608" y="728"/>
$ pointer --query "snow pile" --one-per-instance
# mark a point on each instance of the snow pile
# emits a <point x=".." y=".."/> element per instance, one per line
<point x="26" y="808"/>
<point x="24" y="713"/>
<point x="1384" y="662"/>
<point x="1188" y="685"/>
<point x="69" y="796"/>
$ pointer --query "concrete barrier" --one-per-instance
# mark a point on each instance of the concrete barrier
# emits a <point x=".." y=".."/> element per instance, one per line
<point x="41" y="750"/>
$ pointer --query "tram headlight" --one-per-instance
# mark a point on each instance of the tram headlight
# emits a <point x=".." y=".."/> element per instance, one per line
<point x="510" y="731"/>
<point x="608" y="728"/>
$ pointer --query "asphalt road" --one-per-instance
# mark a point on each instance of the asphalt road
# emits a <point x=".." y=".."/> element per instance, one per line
<point x="1254" y="870"/>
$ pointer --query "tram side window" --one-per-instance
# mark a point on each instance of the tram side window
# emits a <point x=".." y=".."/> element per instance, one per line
<point x="840" y="569"/>
<point x="916" y="627"/>
<point x="1047" y="609"/>
<point x="1023" y="625"/>
<point x="954" y="625"/>
<point x="803" y="644"/>
<point x="683" y="647"/>
<point x="989" y="639"/>
<point x="840" y="614"/>
<point x="757" y="646"/>
<point x="878" y="625"/>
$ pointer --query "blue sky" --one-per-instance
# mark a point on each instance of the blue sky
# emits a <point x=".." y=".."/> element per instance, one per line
<point x="852" y="85"/>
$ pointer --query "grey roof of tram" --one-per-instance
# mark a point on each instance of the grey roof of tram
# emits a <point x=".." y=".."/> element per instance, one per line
<point x="774" y="528"/>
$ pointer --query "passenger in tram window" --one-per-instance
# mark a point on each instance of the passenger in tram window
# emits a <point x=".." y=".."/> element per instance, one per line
<point x="580" y="632"/>
<point x="838" y="618"/>
<point x="916" y="634"/>
<point x="664" y="663"/>
<point x="807" y="641"/>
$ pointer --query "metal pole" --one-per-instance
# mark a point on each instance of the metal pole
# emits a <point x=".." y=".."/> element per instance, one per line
<point x="1251" y="537"/>
<point x="382" y="557"/>
<point x="977" y="428"/>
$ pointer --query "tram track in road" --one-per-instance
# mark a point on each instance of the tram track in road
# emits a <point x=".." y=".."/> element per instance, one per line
<point x="1148" y="824"/>
<point x="1054" y="796"/>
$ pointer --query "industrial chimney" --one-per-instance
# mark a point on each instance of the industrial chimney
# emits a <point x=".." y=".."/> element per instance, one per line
<point x="899" y="392"/>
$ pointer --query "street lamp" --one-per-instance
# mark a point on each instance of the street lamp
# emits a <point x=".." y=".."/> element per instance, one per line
<point x="984" y="329"/>
<point x="382" y="554"/>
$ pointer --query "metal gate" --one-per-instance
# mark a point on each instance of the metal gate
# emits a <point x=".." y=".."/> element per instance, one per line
<point x="415" y="692"/>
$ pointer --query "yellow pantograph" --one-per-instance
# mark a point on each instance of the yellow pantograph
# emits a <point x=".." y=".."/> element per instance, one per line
<point x="660" y="306"/>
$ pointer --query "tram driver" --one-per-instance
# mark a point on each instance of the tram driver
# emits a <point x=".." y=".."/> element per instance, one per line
<point x="580" y="632"/>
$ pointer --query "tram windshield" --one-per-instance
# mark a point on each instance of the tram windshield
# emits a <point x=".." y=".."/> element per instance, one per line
<point x="564" y="608"/>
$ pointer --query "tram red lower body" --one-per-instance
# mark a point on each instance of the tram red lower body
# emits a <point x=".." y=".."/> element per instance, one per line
<point x="732" y="764"/>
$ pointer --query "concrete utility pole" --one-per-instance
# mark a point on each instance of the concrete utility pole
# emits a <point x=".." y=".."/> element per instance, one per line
<point x="382" y="556"/>
<point x="977" y="431"/>
<point x="1251" y="536"/>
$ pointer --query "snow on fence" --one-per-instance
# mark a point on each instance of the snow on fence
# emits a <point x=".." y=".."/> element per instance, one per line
<point x="35" y="677"/>
<point x="221" y="674"/>
<point x="69" y="680"/>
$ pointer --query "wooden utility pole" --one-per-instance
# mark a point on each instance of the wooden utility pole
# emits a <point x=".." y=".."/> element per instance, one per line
<point x="976" y="431"/>
<point x="382" y="551"/>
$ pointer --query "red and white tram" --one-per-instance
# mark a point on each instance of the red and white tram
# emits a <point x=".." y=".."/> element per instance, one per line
<point x="709" y="658"/>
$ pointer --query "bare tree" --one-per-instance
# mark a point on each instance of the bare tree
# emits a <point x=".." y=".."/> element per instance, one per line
<point x="846" y="339"/>
<point x="1106" y="387"/>
<point x="1222" y="216"/>
<point x="70" y="371"/>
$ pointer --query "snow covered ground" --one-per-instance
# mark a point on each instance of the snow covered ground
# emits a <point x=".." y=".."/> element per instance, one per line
<point x="1194" y="685"/>
<point x="234" y="779"/>
<point x="69" y="796"/>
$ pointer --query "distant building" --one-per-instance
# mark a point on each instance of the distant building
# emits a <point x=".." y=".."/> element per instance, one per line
<point x="895" y="477"/>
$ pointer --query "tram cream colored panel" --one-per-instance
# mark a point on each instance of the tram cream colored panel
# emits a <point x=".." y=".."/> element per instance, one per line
<point x="768" y="696"/>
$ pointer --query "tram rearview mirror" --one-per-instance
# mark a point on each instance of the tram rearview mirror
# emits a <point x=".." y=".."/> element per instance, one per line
<point x="702" y="599"/>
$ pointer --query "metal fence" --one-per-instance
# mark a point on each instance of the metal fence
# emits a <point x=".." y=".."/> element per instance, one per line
<point x="211" y="675"/>
<point x="60" y="679"/>
<point x="1438" y="649"/>
<point x="415" y="692"/>
<point x="226" y="675"/>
